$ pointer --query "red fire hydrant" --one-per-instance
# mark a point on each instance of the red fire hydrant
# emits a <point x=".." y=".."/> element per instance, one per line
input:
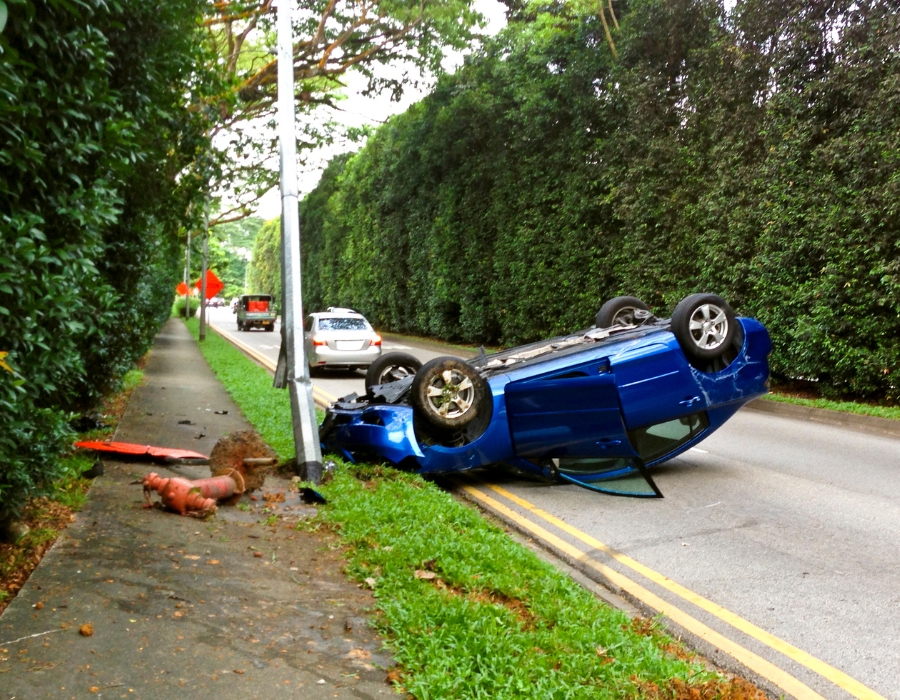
<point x="200" y="495"/>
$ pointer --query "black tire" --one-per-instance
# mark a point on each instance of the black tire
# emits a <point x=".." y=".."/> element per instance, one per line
<point x="619" y="312"/>
<point x="240" y="326"/>
<point x="315" y="370"/>
<point x="390" y="367"/>
<point x="448" y="392"/>
<point x="704" y="325"/>
<point x="270" y="328"/>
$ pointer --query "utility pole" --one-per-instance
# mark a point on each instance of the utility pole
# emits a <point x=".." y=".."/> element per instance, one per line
<point x="187" y="279"/>
<point x="203" y="264"/>
<point x="292" y="371"/>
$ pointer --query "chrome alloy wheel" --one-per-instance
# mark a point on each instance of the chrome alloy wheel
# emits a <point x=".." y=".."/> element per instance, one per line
<point x="450" y="394"/>
<point x="393" y="373"/>
<point x="708" y="326"/>
<point x="624" y="317"/>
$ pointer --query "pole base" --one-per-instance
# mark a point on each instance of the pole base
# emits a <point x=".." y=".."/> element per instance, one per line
<point x="310" y="471"/>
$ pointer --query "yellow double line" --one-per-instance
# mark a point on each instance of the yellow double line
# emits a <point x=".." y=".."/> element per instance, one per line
<point x="752" y="661"/>
<point x="320" y="396"/>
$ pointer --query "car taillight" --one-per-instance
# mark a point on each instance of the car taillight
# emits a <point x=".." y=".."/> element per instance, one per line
<point x="376" y="340"/>
<point x="319" y="341"/>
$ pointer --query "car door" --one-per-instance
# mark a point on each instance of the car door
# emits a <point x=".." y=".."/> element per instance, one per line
<point x="656" y="384"/>
<point x="573" y="414"/>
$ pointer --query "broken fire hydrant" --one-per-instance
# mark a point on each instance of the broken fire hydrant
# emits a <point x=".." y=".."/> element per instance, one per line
<point x="238" y="464"/>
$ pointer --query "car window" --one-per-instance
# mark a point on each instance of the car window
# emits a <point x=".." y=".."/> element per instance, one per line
<point x="308" y="325"/>
<point x="660" y="439"/>
<point x="342" y="324"/>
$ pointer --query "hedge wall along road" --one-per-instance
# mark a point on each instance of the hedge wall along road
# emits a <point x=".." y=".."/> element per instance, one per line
<point x="94" y="131"/>
<point x="754" y="155"/>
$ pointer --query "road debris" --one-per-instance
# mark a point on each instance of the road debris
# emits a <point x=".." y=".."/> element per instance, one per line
<point x="165" y="454"/>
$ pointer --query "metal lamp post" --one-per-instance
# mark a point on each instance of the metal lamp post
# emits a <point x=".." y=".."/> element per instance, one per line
<point x="293" y="371"/>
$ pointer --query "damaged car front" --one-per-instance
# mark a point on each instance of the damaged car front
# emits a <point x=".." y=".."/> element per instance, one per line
<point x="591" y="407"/>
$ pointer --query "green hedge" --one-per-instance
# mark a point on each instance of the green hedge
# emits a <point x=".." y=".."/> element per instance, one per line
<point x="178" y="306"/>
<point x="94" y="130"/>
<point x="753" y="154"/>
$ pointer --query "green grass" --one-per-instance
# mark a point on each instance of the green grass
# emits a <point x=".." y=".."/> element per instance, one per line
<point x="494" y="621"/>
<point x="70" y="490"/>
<point x="865" y="409"/>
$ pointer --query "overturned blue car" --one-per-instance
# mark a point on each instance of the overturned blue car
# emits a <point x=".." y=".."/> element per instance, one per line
<point x="596" y="407"/>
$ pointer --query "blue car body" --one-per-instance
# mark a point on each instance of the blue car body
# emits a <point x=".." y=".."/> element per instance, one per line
<point x="591" y="406"/>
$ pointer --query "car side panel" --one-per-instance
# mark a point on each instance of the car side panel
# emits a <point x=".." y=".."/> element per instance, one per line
<point x="577" y="415"/>
<point x="655" y="383"/>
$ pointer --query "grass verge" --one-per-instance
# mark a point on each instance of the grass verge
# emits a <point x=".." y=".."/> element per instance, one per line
<point x="864" y="409"/>
<point x="47" y="516"/>
<point x="468" y="612"/>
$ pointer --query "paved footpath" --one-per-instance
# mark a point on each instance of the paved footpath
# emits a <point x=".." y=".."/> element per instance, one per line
<point x="182" y="607"/>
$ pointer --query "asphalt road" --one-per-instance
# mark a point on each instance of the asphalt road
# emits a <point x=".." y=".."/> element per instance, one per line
<point x="786" y="524"/>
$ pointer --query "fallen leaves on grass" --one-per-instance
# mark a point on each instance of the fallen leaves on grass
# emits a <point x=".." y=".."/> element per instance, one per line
<point x="677" y="689"/>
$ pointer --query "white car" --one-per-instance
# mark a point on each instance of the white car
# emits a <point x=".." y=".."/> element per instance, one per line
<point x="339" y="339"/>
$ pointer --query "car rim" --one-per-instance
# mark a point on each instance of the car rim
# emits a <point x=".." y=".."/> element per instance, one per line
<point x="624" y="317"/>
<point x="393" y="374"/>
<point x="708" y="326"/>
<point x="450" y="394"/>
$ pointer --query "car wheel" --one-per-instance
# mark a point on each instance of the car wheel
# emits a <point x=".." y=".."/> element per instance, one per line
<point x="704" y="325"/>
<point x="620" y="312"/>
<point x="390" y="367"/>
<point x="240" y="326"/>
<point x="448" y="392"/>
<point x="315" y="370"/>
<point x="270" y="328"/>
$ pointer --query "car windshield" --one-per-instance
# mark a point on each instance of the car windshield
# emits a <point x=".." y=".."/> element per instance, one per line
<point x="342" y="324"/>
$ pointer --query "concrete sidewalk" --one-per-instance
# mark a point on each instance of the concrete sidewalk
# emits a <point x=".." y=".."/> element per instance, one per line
<point x="238" y="606"/>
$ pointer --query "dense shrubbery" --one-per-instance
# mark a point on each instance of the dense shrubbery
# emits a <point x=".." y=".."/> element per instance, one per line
<point x="95" y="132"/>
<point x="265" y="270"/>
<point x="753" y="154"/>
<point x="181" y="302"/>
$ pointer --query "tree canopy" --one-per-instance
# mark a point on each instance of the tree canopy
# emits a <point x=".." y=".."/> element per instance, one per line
<point x="388" y="42"/>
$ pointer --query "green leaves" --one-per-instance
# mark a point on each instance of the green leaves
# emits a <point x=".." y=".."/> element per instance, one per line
<point x="94" y="131"/>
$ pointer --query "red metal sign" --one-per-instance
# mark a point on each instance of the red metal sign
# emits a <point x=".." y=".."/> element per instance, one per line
<point x="213" y="284"/>
<point x="181" y="289"/>
<point x="129" y="448"/>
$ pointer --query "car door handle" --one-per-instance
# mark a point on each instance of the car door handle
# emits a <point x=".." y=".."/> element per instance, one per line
<point x="607" y="443"/>
<point x="689" y="401"/>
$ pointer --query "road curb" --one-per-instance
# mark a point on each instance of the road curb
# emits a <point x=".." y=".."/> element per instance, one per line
<point x="852" y="421"/>
<point x="423" y="344"/>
